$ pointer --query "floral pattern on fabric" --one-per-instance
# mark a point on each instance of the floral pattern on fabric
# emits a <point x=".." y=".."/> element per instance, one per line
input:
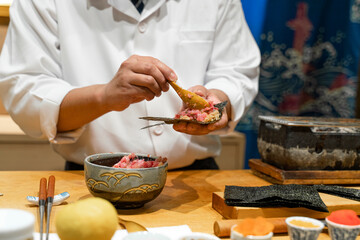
<point x="310" y="57"/>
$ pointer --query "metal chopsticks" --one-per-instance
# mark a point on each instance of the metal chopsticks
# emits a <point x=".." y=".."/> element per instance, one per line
<point x="42" y="200"/>
<point x="46" y="196"/>
<point x="50" y="198"/>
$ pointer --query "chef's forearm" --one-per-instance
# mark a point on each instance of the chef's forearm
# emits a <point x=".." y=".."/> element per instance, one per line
<point x="81" y="106"/>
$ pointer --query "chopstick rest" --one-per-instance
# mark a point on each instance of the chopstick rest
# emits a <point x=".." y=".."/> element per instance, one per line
<point x="58" y="199"/>
<point x="291" y="196"/>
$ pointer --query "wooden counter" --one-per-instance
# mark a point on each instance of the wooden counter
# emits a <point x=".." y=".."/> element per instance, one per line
<point x="186" y="198"/>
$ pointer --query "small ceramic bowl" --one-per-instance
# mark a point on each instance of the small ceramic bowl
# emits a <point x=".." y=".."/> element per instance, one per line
<point x="341" y="232"/>
<point x="125" y="188"/>
<point x="198" y="236"/>
<point x="16" y="224"/>
<point x="145" y="236"/>
<point x="298" y="232"/>
<point x="234" y="235"/>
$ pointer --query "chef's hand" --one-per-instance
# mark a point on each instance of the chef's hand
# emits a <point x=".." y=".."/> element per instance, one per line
<point x="216" y="96"/>
<point x="138" y="78"/>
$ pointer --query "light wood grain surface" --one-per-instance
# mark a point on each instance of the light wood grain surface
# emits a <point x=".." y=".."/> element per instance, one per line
<point x="186" y="198"/>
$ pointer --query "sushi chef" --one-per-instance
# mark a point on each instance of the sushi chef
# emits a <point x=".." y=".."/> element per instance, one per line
<point x="81" y="73"/>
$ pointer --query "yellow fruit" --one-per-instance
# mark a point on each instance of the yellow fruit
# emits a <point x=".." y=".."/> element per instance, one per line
<point x="91" y="219"/>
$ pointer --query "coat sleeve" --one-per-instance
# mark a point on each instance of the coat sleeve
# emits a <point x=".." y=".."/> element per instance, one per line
<point x="31" y="84"/>
<point x="235" y="59"/>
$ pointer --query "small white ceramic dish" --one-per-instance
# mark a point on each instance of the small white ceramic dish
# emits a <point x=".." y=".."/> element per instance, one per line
<point x="297" y="232"/>
<point x="238" y="236"/>
<point x="16" y="224"/>
<point x="341" y="232"/>
<point x="198" y="236"/>
<point x="145" y="236"/>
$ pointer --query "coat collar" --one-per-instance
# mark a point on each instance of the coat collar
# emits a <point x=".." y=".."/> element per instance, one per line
<point x="128" y="8"/>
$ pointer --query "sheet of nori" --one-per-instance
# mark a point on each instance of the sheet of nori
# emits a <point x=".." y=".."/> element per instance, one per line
<point x="291" y="196"/>
<point x="350" y="193"/>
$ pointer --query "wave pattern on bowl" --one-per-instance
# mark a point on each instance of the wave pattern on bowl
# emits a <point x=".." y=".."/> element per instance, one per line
<point x="125" y="188"/>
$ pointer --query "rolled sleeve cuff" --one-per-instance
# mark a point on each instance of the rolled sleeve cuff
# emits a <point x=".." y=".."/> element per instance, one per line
<point x="49" y="113"/>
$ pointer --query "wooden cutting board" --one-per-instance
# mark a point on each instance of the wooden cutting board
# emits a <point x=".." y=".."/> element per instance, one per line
<point x="332" y="202"/>
<point x="278" y="176"/>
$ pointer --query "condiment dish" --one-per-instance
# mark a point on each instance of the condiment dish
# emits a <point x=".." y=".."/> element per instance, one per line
<point x="238" y="236"/>
<point x="341" y="231"/>
<point x="16" y="224"/>
<point x="303" y="228"/>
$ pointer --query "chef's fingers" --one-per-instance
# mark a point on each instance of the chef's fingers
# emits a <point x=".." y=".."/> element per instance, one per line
<point x="146" y="81"/>
<point x="166" y="70"/>
<point x="145" y="93"/>
<point x="197" y="129"/>
<point x="155" y="68"/>
<point x="145" y="74"/>
<point x="199" y="90"/>
<point x="191" y="128"/>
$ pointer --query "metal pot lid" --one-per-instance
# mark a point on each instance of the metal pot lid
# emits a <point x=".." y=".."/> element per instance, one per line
<point x="313" y="121"/>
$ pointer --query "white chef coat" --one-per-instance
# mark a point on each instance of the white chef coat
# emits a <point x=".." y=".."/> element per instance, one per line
<point x="54" y="46"/>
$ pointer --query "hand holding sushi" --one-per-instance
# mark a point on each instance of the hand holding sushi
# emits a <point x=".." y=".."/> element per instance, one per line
<point x="213" y="96"/>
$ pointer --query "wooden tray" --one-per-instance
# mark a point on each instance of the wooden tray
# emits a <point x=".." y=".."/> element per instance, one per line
<point x="278" y="176"/>
<point x="332" y="202"/>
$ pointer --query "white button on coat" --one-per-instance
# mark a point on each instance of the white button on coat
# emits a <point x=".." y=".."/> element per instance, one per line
<point x="158" y="130"/>
<point x="142" y="27"/>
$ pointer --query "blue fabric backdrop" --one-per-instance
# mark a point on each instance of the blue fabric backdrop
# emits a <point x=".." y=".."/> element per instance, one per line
<point x="310" y="52"/>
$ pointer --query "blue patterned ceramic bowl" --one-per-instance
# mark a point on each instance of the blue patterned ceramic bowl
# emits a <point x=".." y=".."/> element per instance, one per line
<point x="123" y="187"/>
<point x="297" y="232"/>
<point x="341" y="232"/>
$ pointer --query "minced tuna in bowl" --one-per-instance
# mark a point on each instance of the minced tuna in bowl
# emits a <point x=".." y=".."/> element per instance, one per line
<point x="131" y="161"/>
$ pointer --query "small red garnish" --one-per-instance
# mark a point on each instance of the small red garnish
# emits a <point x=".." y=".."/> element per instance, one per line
<point x="345" y="217"/>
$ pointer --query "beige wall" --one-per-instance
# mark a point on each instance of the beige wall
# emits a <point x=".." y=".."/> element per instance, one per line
<point x="4" y="21"/>
<point x="2" y="109"/>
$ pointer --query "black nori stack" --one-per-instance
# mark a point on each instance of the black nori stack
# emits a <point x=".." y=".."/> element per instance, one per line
<point x="350" y="193"/>
<point x="291" y="196"/>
